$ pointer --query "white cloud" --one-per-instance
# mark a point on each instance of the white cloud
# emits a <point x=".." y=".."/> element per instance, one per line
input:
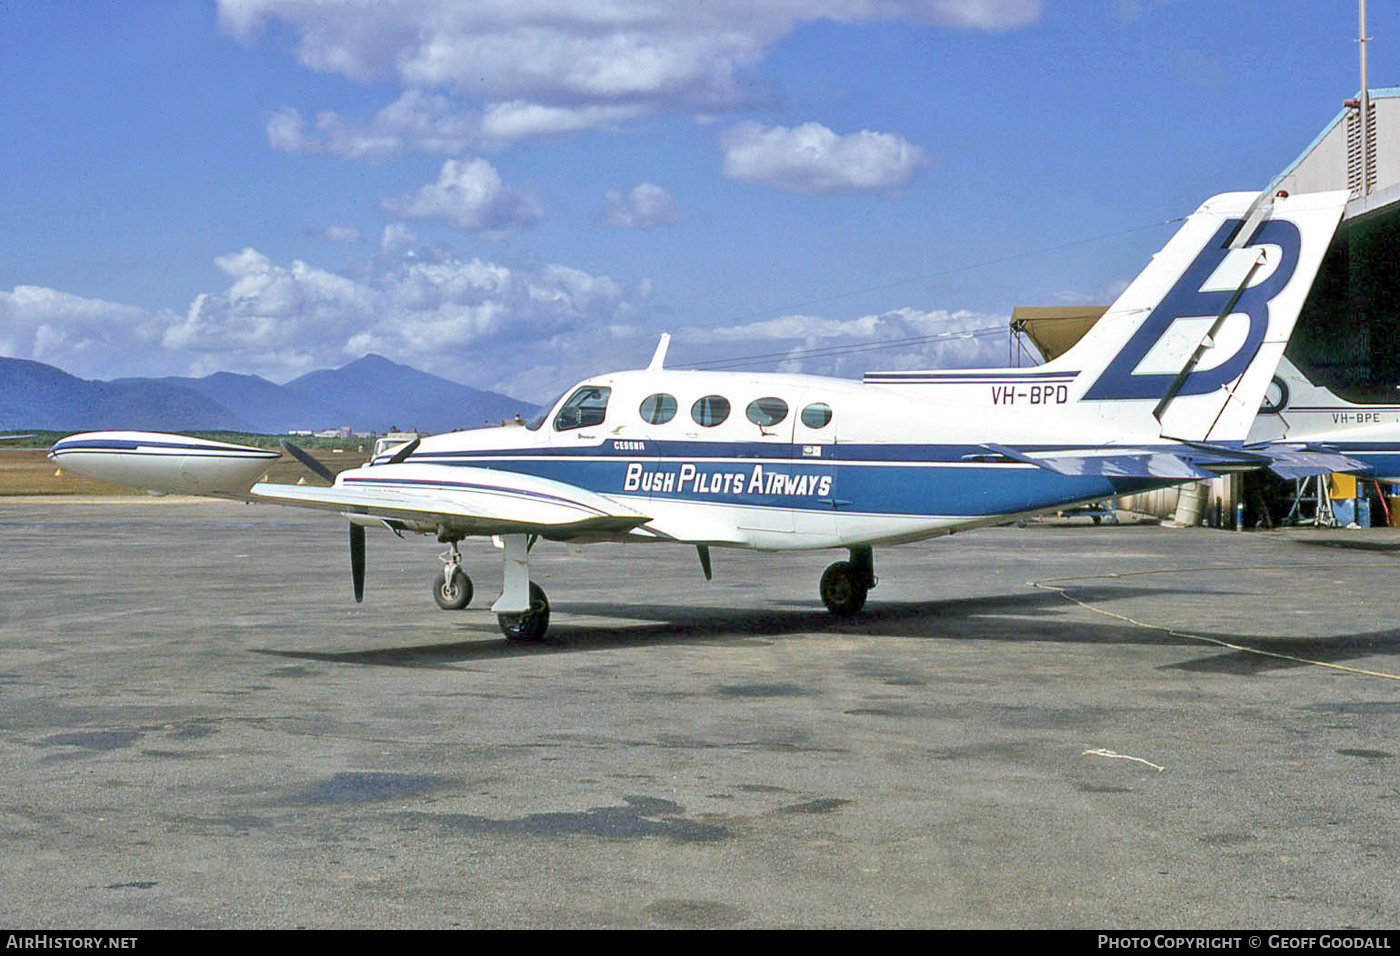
<point x="286" y="132"/>
<point x="416" y="122"/>
<point x="812" y="159"/>
<point x="397" y="241"/>
<point x="341" y="234"/>
<point x="471" y="196"/>
<point x="504" y="123"/>
<point x="526" y="330"/>
<point x="432" y="123"/>
<point x="644" y="206"/>
<point x="990" y="15"/>
<point x="485" y="73"/>
<point x="905" y="338"/>
<point x="77" y="334"/>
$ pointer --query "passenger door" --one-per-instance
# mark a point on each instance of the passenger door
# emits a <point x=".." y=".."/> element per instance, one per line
<point x="814" y="471"/>
<point x="766" y="455"/>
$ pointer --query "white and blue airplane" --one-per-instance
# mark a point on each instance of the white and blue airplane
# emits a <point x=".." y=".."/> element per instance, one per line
<point x="1297" y="410"/>
<point x="1163" y="389"/>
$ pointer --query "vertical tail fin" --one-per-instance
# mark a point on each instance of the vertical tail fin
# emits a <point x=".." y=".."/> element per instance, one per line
<point x="1186" y="353"/>
<point x="1192" y="343"/>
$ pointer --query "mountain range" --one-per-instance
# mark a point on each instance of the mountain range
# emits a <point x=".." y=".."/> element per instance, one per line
<point x="368" y="394"/>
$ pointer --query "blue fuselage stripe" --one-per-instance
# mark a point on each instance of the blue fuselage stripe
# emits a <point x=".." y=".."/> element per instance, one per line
<point x="924" y="480"/>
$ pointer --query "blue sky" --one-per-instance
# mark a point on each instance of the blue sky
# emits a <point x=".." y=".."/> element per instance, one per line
<point x="517" y="193"/>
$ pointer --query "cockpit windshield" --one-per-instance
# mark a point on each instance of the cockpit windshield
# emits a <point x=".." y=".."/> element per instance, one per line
<point x="587" y="406"/>
<point x="542" y="416"/>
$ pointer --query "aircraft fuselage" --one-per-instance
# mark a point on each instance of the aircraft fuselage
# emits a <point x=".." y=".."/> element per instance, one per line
<point x="771" y="461"/>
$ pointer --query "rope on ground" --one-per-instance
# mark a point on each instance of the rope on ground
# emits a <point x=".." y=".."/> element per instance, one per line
<point x="1048" y="585"/>
<point x="1100" y="752"/>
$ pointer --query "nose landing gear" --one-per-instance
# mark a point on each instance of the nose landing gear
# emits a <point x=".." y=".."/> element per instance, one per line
<point x="452" y="590"/>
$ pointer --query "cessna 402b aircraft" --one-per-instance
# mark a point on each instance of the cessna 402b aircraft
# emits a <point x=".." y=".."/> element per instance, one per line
<point x="1162" y="390"/>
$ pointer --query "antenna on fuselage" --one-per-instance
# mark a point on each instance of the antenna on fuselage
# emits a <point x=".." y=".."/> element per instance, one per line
<point x="658" y="360"/>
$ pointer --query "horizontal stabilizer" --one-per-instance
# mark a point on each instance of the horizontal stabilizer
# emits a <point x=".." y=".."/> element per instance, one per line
<point x="1306" y="462"/>
<point x="1139" y="465"/>
<point x="1119" y="463"/>
<point x="1197" y="462"/>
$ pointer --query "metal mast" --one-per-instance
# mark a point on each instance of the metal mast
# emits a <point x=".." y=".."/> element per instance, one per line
<point x="1365" y="109"/>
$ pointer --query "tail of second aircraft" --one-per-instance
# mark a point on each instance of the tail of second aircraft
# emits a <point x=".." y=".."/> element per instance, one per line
<point x="1298" y="409"/>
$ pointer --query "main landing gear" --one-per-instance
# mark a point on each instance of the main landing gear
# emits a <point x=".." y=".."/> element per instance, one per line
<point x="846" y="583"/>
<point x="522" y="609"/>
<point x="531" y="625"/>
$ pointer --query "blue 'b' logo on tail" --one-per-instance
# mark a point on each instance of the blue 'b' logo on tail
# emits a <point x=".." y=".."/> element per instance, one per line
<point x="1186" y="300"/>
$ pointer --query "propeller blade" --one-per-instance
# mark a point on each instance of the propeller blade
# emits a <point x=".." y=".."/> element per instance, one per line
<point x="306" y="458"/>
<point x="404" y="452"/>
<point x="357" y="560"/>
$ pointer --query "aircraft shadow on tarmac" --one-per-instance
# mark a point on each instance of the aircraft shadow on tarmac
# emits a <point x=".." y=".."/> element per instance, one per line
<point x="1040" y="616"/>
<point x="1295" y="652"/>
<point x="1353" y="544"/>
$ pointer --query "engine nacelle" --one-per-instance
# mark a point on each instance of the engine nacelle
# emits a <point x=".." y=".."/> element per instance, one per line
<point x="174" y="464"/>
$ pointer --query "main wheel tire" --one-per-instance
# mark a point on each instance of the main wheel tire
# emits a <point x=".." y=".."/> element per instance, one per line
<point x="531" y="625"/>
<point x="455" y="593"/>
<point x="842" y="593"/>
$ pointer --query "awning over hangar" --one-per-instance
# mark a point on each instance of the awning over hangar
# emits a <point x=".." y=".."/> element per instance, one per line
<point x="1053" y="329"/>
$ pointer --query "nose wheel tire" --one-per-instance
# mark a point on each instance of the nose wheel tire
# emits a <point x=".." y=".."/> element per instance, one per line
<point x="531" y="625"/>
<point x="452" y="593"/>
<point x="843" y="590"/>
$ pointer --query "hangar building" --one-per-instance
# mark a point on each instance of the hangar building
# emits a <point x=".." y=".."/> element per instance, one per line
<point x="1348" y="336"/>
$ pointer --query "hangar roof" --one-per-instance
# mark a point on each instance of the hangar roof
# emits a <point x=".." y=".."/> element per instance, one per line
<point x="1334" y="159"/>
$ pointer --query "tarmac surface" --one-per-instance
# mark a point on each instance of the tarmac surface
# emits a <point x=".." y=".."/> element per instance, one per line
<point x="1061" y="725"/>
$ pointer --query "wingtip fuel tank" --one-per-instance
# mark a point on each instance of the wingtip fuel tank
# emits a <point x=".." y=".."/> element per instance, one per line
<point x="170" y="464"/>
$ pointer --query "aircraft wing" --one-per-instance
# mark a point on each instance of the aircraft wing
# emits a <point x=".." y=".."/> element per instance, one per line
<point x="475" y="501"/>
<point x="460" y="500"/>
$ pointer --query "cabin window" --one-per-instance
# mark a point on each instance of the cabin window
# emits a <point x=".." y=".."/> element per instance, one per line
<point x="658" y="409"/>
<point x="767" y="411"/>
<point x="816" y="415"/>
<point x="710" y="410"/>
<point x="585" y="407"/>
